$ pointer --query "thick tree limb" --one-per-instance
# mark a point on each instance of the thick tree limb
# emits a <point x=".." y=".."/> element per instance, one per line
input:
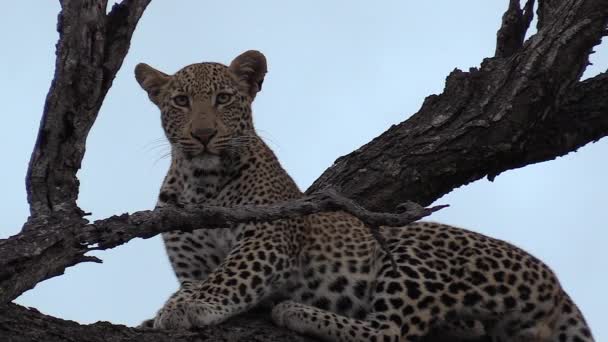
<point x="18" y="324"/>
<point x="509" y="113"/>
<point x="91" y="48"/>
<point x="515" y="23"/>
<point x="521" y="107"/>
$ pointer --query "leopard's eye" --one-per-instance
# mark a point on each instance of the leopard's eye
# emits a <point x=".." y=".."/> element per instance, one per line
<point x="181" y="100"/>
<point x="223" y="98"/>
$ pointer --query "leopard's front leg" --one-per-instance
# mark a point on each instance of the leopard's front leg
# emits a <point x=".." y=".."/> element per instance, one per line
<point x="257" y="267"/>
<point x="186" y="309"/>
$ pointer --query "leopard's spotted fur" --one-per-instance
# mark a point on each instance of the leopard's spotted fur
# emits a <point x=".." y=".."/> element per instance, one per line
<point x="340" y="284"/>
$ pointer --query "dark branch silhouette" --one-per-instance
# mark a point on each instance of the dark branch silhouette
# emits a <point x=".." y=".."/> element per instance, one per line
<point x="65" y="243"/>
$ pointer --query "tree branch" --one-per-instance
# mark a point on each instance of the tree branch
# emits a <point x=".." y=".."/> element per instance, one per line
<point x="118" y="230"/>
<point x="38" y="254"/>
<point x="581" y="119"/>
<point x="90" y="51"/>
<point x="487" y="120"/>
<point x="18" y="324"/>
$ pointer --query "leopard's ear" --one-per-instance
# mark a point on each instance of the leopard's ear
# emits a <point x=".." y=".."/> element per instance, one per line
<point x="249" y="68"/>
<point x="151" y="80"/>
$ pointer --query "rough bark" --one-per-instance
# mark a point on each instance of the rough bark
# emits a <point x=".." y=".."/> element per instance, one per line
<point x="508" y="113"/>
<point x="90" y="51"/>
<point x="515" y="23"/>
<point x="523" y="106"/>
<point x="420" y="160"/>
<point x="18" y="324"/>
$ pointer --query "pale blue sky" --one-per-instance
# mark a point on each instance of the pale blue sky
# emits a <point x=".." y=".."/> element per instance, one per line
<point x="340" y="73"/>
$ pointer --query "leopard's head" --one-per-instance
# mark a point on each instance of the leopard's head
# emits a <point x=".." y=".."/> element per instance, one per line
<point x="206" y="107"/>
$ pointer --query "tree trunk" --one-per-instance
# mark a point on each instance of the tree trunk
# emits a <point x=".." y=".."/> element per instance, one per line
<point x="522" y="106"/>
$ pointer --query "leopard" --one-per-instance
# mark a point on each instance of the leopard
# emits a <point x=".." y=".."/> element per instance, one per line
<point x="234" y="158"/>
<point x="325" y="273"/>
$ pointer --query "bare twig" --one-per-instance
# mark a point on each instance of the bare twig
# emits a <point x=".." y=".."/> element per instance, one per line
<point x="148" y="224"/>
<point x="47" y="252"/>
<point x="118" y="230"/>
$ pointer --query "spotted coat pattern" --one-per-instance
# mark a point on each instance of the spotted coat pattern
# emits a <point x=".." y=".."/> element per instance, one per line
<point x="336" y="283"/>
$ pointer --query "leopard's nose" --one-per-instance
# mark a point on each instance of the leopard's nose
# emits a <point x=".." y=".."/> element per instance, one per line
<point x="204" y="135"/>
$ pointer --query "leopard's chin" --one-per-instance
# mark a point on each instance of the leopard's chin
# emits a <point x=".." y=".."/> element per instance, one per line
<point x="201" y="154"/>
